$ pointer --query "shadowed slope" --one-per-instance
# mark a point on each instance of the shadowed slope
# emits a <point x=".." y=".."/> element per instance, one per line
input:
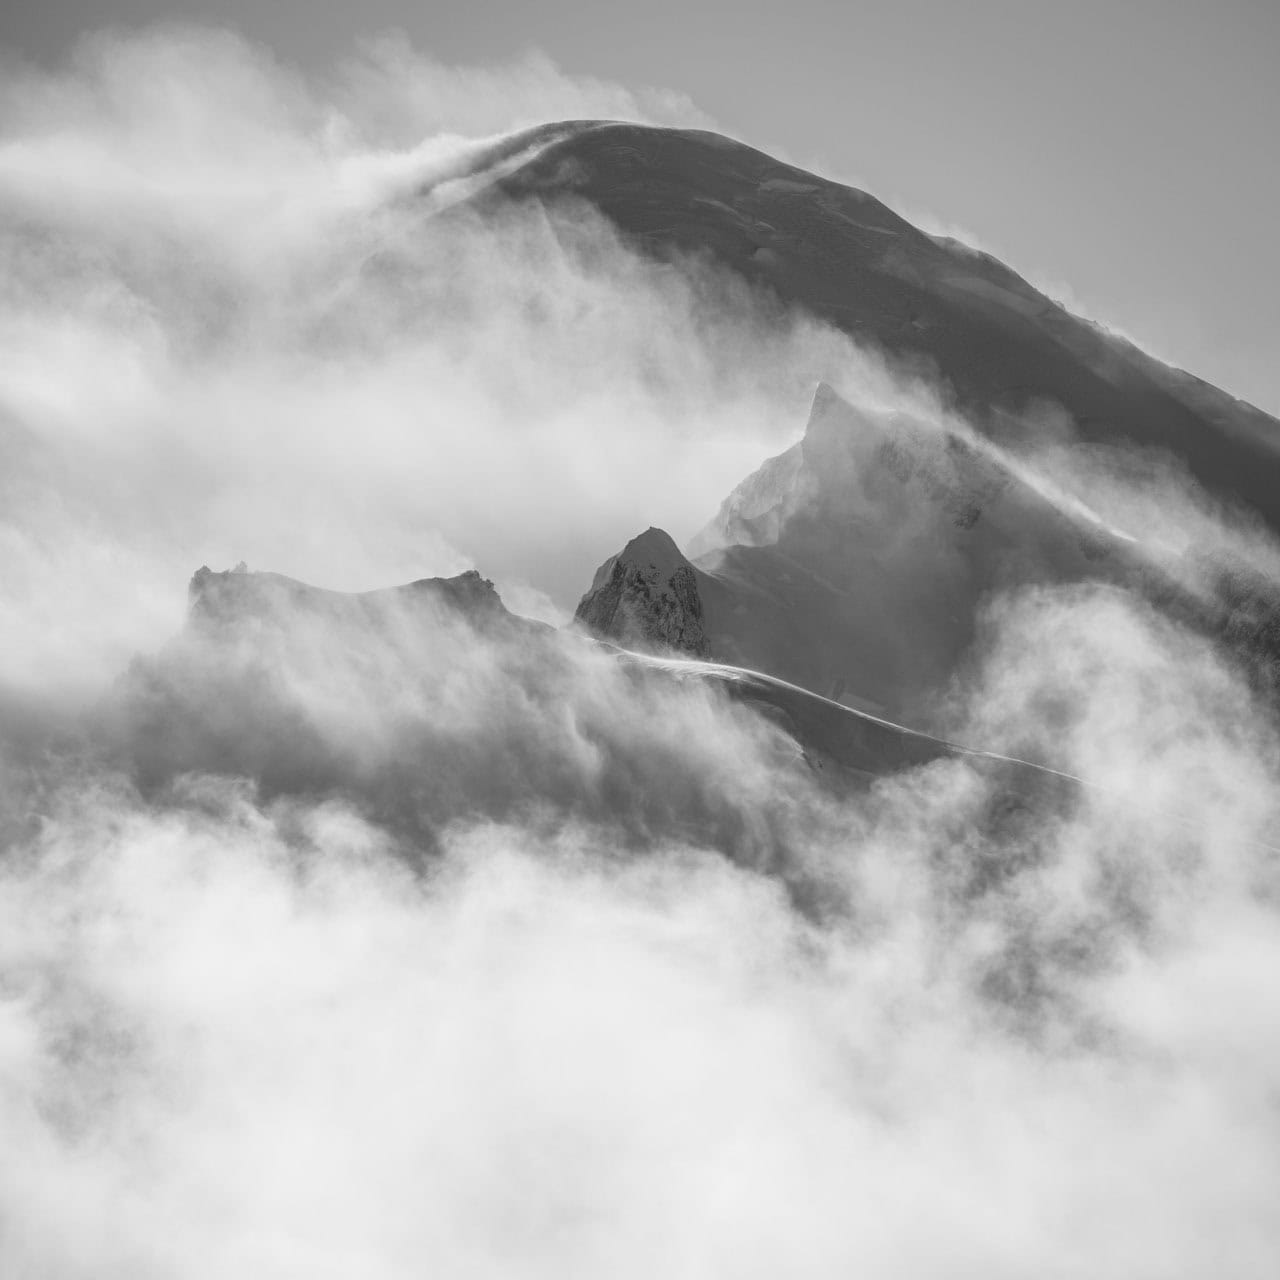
<point x="1002" y="347"/>
<point x="647" y="597"/>
<point x="248" y="687"/>
<point x="857" y="563"/>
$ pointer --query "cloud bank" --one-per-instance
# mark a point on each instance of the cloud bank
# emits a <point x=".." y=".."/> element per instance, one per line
<point x="620" y="983"/>
<point x="380" y="938"/>
<point x="217" y="277"/>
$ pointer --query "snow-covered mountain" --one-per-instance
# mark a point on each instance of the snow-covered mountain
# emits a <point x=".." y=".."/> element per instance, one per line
<point x="857" y="562"/>
<point x="877" y="874"/>
<point x="999" y="346"/>
<point x="855" y="566"/>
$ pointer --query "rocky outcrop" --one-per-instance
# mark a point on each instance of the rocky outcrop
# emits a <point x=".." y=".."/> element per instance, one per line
<point x="646" y="597"/>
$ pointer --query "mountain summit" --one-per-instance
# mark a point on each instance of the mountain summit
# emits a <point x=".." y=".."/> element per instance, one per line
<point x="1001" y="348"/>
<point x="858" y="563"/>
<point x="647" y="597"/>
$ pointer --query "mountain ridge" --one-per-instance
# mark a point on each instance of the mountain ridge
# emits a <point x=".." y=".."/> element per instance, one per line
<point x="1000" y="347"/>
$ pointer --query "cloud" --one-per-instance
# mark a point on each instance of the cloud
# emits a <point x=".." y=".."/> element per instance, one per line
<point x="230" y="258"/>
<point x="579" y="1037"/>
<point x="394" y="91"/>
<point x="357" y="938"/>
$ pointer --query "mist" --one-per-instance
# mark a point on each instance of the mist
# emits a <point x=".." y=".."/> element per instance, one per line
<point x="246" y="271"/>
<point x="561" y="1011"/>
<point x="401" y="937"/>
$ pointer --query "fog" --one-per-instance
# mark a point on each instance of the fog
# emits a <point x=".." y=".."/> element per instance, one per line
<point x="398" y="938"/>
<point x="234" y="265"/>
<point x="559" y="1012"/>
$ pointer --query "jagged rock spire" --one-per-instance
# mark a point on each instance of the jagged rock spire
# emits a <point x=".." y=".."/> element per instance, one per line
<point x="646" y="597"/>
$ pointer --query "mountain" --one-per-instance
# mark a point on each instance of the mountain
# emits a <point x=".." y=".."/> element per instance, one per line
<point x="647" y="596"/>
<point x="999" y="346"/>
<point x="376" y="697"/>
<point x="836" y="593"/>
<point x="269" y="675"/>
<point x="239" y="599"/>
<point x="858" y="562"/>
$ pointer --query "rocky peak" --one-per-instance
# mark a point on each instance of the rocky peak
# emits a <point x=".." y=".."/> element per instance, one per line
<point x="646" y="597"/>
<point x="756" y="512"/>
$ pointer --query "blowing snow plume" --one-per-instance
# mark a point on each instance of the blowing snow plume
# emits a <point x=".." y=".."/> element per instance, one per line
<point x="249" y="273"/>
<point x="353" y="931"/>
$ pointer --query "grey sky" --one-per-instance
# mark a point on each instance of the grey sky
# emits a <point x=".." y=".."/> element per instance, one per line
<point x="1122" y="154"/>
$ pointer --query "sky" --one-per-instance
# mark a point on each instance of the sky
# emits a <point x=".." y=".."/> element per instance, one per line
<point x="1119" y="155"/>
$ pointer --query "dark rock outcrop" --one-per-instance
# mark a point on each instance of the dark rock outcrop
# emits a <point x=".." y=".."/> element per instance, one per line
<point x="646" y="597"/>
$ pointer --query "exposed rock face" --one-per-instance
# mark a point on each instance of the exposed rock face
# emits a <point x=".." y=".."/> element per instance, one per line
<point x="647" y="597"/>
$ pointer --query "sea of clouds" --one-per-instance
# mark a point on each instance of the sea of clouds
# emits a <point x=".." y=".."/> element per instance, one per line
<point x="394" y="943"/>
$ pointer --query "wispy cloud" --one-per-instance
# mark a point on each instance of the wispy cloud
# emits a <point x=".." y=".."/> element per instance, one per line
<point x="363" y="942"/>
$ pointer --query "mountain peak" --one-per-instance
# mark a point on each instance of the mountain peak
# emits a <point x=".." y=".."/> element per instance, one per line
<point x="825" y="399"/>
<point x="998" y="348"/>
<point x="655" y="547"/>
<point x="647" y="597"/>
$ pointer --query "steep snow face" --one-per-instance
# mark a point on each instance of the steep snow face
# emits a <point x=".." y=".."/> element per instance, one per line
<point x="885" y="473"/>
<point x="857" y="563"/>
<point x="853" y="565"/>
<point x="647" y="597"/>
<point x="754" y="513"/>
<point x="1002" y="348"/>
